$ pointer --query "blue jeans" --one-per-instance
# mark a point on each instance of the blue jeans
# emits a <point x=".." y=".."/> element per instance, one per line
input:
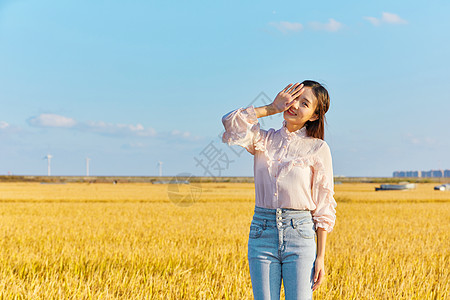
<point x="282" y="245"/>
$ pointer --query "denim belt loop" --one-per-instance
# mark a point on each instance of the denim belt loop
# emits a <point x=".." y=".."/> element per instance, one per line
<point x="264" y="225"/>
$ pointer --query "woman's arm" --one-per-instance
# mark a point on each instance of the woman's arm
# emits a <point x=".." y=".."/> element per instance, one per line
<point x="319" y="274"/>
<point x="266" y="110"/>
<point x="325" y="213"/>
<point x="321" y="241"/>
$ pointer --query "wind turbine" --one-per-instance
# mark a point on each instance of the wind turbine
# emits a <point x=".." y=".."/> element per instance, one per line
<point x="48" y="157"/>
<point x="87" y="166"/>
<point x="160" y="168"/>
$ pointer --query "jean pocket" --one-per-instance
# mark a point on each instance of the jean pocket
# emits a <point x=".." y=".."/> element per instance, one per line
<point x="305" y="228"/>
<point x="255" y="231"/>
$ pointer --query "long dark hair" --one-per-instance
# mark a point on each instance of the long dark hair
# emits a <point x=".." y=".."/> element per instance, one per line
<point x="316" y="128"/>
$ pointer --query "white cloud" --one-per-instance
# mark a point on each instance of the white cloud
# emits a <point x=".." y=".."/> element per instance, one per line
<point x="286" y="27"/>
<point x="3" y="125"/>
<point x="58" y="121"/>
<point x="422" y="141"/>
<point x="118" y="129"/>
<point x="184" y="134"/>
<point x="373" y="20"/>
<point x="52" y="120"/>
<point x="331" y="26"/>
<point x="6" y="128"/>
<point x="392" y="18"/>
<point x="386" y="17"/>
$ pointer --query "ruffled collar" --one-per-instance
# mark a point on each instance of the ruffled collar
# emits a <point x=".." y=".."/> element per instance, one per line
<point x="287" y="134"/>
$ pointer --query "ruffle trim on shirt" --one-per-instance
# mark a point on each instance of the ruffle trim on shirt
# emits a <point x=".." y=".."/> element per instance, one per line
<point x="324" y="184"/>
<point x="321" y="177"/>
<point x="286" y="167"/>
<point x="260" y="144"/>
<point x="233" y="138"/>
<point x="250" y="114"/>
<point x="237" y="138"/>
<point x="302" y="162"/>
<point x="323" y="223"/>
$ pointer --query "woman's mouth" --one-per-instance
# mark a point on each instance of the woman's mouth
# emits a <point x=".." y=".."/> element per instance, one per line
<point x="290" y="112"/>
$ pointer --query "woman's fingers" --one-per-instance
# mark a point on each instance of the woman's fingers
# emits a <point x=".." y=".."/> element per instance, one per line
<point x="290" y="104"/>
<point x="288" y="95"/>
<point x="284" y="90"/>
<point x="292" y="88"/>
<point x="316" y="275"/>
<point x="318" y="278"/>
<point x="298" y="92"/>
<point x="295" y="95"/>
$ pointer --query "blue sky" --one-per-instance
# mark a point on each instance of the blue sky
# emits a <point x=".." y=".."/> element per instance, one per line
<point x="131" y="83"/>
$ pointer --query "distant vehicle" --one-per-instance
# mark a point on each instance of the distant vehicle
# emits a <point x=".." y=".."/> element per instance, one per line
<point x="396" y="187"/>
<point x="443" y="187"/>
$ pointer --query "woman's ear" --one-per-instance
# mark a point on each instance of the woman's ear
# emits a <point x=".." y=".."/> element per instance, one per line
<point x="314" y="117"/>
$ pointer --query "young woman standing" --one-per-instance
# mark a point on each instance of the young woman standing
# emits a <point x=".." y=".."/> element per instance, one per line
<point x="294" y="190"/>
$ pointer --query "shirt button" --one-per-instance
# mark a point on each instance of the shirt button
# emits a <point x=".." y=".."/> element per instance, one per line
<point x="279" y="224"/>
<point x="279" y="218"/>
<point x="275" y="194"/>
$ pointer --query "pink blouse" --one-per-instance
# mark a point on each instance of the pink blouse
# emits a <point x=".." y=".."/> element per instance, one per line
<point x="291" y="169"/>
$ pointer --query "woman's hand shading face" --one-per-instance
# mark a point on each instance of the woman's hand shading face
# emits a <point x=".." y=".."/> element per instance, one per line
<point x="287" y="97"/>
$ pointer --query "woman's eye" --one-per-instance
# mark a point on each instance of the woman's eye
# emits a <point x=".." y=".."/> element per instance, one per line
<point x="305" y="104"/>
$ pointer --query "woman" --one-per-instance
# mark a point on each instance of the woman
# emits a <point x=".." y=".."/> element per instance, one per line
<point x="294" y="190"/>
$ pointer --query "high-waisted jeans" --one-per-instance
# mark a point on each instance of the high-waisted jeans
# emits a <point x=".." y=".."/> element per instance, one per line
<point x="282" y="245"/>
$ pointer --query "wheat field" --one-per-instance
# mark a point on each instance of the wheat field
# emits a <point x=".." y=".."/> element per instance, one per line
<point x="138" y="241"/>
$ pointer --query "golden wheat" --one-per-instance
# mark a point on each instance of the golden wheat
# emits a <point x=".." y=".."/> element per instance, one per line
<point x="130" y="241"/>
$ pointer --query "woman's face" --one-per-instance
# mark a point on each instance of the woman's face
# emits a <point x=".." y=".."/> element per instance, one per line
<point x="302" y="110"/>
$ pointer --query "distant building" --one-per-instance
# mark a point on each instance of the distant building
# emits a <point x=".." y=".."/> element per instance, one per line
<point x="398" y="174"/>
<point x="425" y="174"/>
<point x="413" y="173"/>
<point x="437" y="173"/>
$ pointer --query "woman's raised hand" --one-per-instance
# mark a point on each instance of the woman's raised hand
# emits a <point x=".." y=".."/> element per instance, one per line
<point x="286" y="97"/>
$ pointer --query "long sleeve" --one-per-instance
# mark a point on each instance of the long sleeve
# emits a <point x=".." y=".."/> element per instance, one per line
<point x="242" y="128"/>
<point x="324" y="214"/>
